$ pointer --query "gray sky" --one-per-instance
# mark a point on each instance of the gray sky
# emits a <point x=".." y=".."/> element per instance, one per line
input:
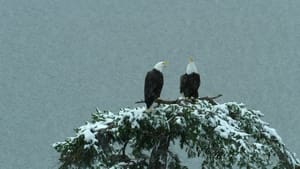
<point x="61" y="59"/>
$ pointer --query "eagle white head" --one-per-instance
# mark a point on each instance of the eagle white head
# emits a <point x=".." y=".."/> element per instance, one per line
<point x="191" y="67"/>
<point x="160" y="65"/>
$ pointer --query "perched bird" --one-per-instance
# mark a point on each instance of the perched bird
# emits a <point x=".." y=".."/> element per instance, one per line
<point x="154" y="81"/>
<point x="190" y="81"/>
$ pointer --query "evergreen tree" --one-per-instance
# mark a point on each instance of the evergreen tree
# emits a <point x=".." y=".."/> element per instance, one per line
<point x="220" y="135"/>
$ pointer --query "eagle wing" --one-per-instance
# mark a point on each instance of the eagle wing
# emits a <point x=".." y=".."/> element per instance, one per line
<point x="183" y="82"/>
<point x="196" y="81"/>
<point x="153" y="85"/>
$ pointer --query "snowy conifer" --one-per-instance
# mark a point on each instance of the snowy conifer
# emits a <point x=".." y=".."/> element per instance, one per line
<point x="221" y="136"/>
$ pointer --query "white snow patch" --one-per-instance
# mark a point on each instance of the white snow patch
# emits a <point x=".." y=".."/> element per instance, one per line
<point x="269" y="132"/>
<point x="223" y="131"/>
<point x="180" y="121"/>
<point x="86" y="131"/>
<point x="134" y="115"/>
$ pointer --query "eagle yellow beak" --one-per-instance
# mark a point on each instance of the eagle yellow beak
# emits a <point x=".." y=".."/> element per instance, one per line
<point x="165" y="63"/>
<point x="190" y="59"/>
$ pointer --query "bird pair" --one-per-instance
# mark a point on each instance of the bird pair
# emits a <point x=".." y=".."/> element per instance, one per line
<point x="154" y="80"/>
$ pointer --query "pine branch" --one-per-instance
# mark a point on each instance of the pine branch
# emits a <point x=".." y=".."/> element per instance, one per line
<point x="211" y="100"/>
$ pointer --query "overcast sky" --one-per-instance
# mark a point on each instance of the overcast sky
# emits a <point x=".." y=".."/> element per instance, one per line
<point x="59" y="60"/>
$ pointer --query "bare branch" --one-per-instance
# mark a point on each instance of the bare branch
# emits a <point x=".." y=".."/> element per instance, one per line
<point x="211" y="99"/>
<point x="206" y="97"/>
<point x="179" y="101"/>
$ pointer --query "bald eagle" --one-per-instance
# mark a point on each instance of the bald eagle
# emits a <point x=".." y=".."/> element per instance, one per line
<point x="154" y="81"/>
<point x="190" y="81"/>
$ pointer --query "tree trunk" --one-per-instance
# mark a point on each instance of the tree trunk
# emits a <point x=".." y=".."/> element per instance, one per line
<point x="159" y="154"/>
